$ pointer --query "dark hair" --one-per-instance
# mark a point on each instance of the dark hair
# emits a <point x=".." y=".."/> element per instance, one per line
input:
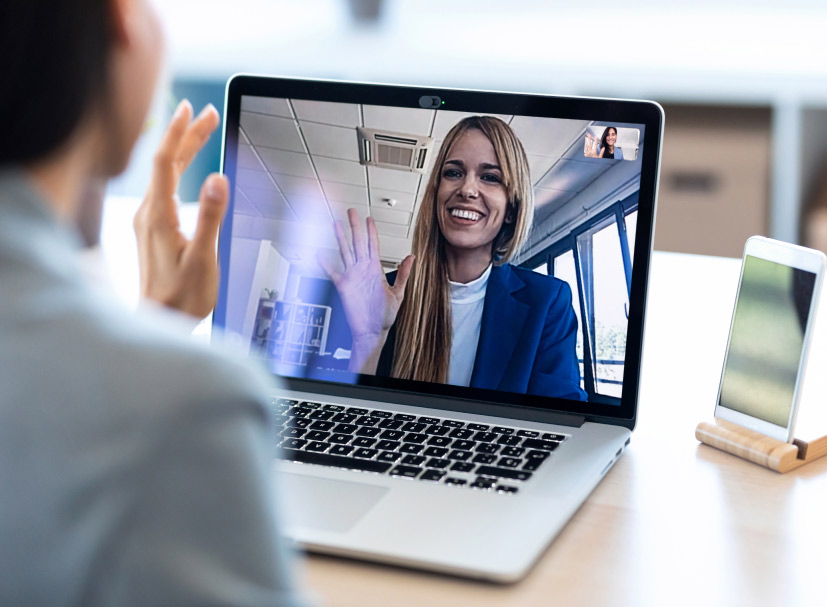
<point x="603" y="139"/>
<point x="55" y="56"/>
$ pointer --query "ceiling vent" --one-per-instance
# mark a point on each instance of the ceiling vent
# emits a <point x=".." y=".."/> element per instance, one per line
<point x="394" y="150"/>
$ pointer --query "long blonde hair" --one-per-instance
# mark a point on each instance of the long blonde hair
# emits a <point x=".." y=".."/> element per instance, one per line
<point x="423" y="324"/>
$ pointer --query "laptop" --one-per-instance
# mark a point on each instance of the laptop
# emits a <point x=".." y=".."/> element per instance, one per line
<point x="451" y="287"/>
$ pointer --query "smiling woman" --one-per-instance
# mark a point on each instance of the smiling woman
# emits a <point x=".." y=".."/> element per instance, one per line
<point x="444" y="316"/>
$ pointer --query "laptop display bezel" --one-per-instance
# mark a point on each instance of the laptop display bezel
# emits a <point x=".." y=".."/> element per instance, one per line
<point x="610" y="111"/>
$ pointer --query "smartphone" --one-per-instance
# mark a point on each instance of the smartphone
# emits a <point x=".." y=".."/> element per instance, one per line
<point x="769" y="336"/>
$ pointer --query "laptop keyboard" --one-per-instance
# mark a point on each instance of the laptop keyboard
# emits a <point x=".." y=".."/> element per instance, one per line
<point x="432" y="449"/>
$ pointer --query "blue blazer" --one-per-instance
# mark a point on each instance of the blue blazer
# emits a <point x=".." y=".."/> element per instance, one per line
<point x="527" y="338"/>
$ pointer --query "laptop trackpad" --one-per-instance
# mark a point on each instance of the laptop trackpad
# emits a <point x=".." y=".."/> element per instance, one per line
<point x="326" y="504"/>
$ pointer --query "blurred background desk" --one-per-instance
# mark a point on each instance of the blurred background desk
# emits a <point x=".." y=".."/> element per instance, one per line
<point x="674" y="522"/>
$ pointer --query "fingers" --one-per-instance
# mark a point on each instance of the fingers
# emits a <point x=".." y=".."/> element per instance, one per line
<point x="402" y="274"/>
<point x="164" y="178"/>
<point x="360" y="245"/>
<point x="344" y="246"/>
<point x="196" y="135"/>
<point x="328" y="267"/>
<point x="212" y="204"/>
<point x="373" y="239"/>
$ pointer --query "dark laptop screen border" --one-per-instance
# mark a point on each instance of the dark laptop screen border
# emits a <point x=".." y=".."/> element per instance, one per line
<point x="646" y="113"/>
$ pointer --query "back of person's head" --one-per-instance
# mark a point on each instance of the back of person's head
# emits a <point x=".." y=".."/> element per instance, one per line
<point x="54" y="68"/>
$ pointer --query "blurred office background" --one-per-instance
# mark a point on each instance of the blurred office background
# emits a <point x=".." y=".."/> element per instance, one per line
<point x="743" y="82"/>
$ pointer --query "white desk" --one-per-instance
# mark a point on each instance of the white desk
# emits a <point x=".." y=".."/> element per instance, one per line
<point x="675" y="522"/>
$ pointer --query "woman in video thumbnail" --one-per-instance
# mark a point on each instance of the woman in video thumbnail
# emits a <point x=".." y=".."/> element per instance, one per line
<point x="456" y="311"/>
<point x="607" y="145"/>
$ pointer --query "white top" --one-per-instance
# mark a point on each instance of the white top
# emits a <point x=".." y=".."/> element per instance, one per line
<point x="467" y="301"/>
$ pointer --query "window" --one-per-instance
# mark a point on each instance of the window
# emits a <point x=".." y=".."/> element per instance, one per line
<point x="595" y="260"/>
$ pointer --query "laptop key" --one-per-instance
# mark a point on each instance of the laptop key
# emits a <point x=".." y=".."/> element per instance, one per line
<point x="439" y="441"/>
<point x="484" y="458"/>
<point x="413" y="460"/>
<point x="388" y="445"/>
<point x="462" y="467"/>
<point x="435" y="451"/>
<point x="286" y="401"/>
<point x="512" y="451"/>
<point x="368" y="420"/>
<point x="413" y="448"/>
<point x="557" y="437"/>
<point x="357" y="411"/>
<point x="317" y="435"/>
<point x="487" y="448"/>
<point x="502" y="430"/>
<point x="368" y="431"/>
<point x="532" y="464"/>
<point x="432" y="475"/>
<point x="333" y="408"/>
<point x="478" y="427"/>
<point x="429" y="420"/>
<point x="541" y="455"/>
<point x="452" y="423"/>
<point x="452" y="480"/>
<point x="340" y="449"/>
<point x="405" y="471"/>
<point x="543" y="445"/>
<point x="322" y="425"/>
<point x="344" y="418"/>
<point x="388" y="456"/>
<point x="299" y="412"/>
<point x="299" y="422"/>
<point x="506" y="489"/>
<point x="340" y="439"/>
<point x="345" y="428"/>
<point x="310" y="405"/>
<point x="462" y="433"/>
<point x="528" y="433"/>
<point x="392" y="435"/>
<point x="509" y="440"/>
<point x="384" y="414"/>
<point x="517" y="475"/>
<point x="459" y="455"/>
<point x="391" y="424"/>
<point x="293" y="443"/>
<point x="483" y="483"/>
<point x="438" y="430"/>
<point x="485" y="437"/>
<point x="405" y="417"/>
<point x="414" y="427"/>
<point x="323" y="415"/>
<point x="317" y="446"/>
<point x="366" y="453"/>
<point x="413" y="437"/>
<point x="294" y="432"/>
<point x="464" y="445"/>
<point x="325" y="459"/>
<point x="436" y="462"/>
<point x="509" y="462"/>
<point x="363" y="441"/>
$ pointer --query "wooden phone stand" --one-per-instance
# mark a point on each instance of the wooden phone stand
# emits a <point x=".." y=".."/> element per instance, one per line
<point x="760" y="448"/>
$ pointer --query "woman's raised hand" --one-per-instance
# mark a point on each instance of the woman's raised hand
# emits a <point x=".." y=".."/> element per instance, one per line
<point x="370" y="303"/>
<point x="590" y="148"/>
<point x="175" y="271"/>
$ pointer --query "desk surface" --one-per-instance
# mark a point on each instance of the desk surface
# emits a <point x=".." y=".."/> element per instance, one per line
<point x="674" y="522"/>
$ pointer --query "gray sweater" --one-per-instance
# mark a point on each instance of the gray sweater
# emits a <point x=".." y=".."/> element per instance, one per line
<point x="134" y="464"/>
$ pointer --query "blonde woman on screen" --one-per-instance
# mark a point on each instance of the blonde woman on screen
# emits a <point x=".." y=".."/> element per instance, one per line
<point x="456" y="311"/>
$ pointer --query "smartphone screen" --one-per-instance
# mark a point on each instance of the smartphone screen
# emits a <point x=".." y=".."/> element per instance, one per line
<point x="767" y="340"/>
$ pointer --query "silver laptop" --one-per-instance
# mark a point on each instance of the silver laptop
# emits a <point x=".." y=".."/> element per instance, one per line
<point x="451" y="285"/>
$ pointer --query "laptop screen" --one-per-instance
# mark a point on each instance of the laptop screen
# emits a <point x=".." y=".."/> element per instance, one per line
<point x="469" y="251"/>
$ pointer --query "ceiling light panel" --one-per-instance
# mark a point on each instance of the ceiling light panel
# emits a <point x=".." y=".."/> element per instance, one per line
<point x="414" y="121"/>
<point x="266" y="105"/>
<point x="283" y="162"/>
<point x="340" y="171"/>
<point x="272" y="131"/>
<point x="346" y="194"/>
<point x="402" y="202"/>
<point x="339" y="114"/>
<point x="397" y="181"/>
<point x="331" y="141"/>
<point x="390" y="216"/>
